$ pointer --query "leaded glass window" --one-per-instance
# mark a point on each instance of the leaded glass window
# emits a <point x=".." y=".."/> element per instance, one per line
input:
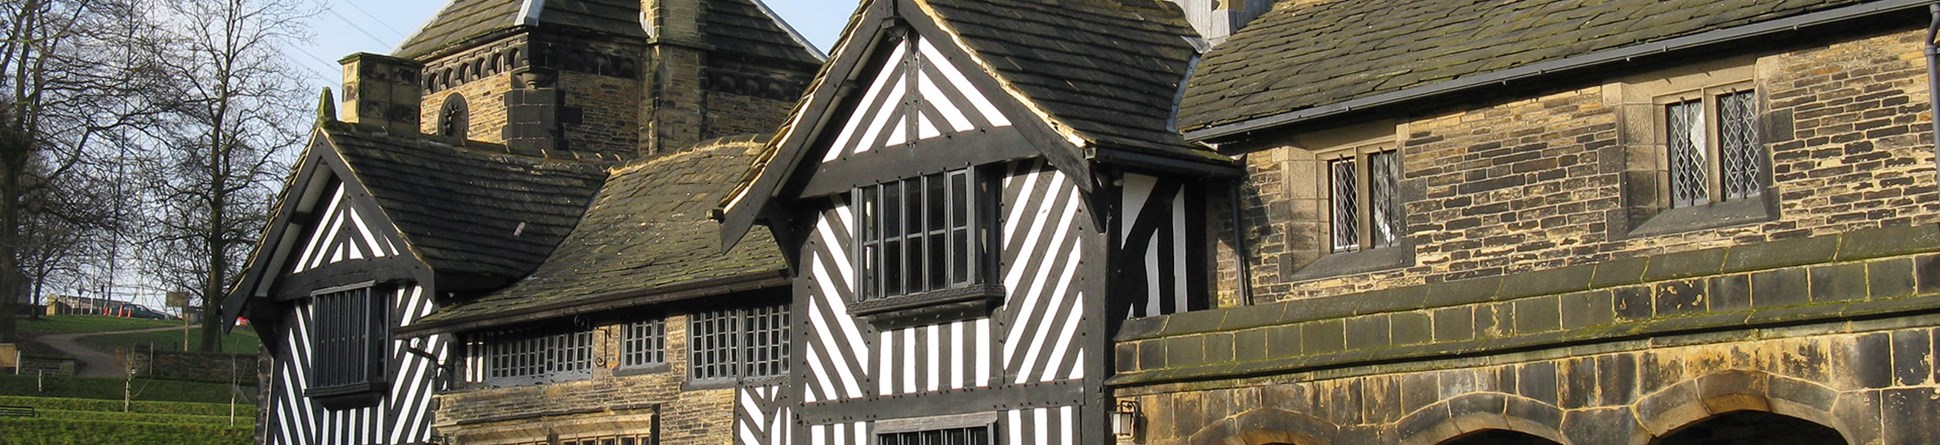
<point x="525" y="357"/>
<point x="731" y="343"/>
<point x="1384" y="200"/>
<point x="1346" y="227"/>
<point x="1739" y="144"/>
<point x="711" y="343"/>
<point x="1685" y="125"/>
<point x="644" y="343"/>
<point x="767" y="339"/>
<point x="1713" y="148"/>
<point x="1364" y="200"/>
<point x="915" y="235"/>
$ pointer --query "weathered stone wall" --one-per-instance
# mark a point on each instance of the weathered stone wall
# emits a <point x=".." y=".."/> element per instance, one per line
<point x="608" y="404"/>
<point x="1836" y="330"/>
<point x="484" y="103"/>
<point x="604" y="113"/>
<point x="196" y="366"/>
<point x="1536" y="183"/>
<point x="1871" y="381"/>
<point x="33" y="365"/>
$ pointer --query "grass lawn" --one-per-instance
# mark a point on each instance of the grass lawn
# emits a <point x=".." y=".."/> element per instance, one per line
<point x="63" y="324"/>
<point x="240" y="341"/>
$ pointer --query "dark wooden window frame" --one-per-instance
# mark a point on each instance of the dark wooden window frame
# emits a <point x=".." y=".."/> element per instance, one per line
<point x="963" y="429"/>
<point x="347" y="343"/>
<point x="925" y="256"/>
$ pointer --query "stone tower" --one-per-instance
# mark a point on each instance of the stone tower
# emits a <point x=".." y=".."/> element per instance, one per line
<point x="611" y="78"/>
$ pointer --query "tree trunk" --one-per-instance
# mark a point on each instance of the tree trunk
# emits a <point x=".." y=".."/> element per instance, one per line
<point x="10" y="276"/>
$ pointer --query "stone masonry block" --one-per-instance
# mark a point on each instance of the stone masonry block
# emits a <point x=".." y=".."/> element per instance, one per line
<point x="1838" y="282"/>
<point x="1780" y="288"/>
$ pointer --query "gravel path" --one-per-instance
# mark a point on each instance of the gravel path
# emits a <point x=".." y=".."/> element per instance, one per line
<point x="93" y="363"/>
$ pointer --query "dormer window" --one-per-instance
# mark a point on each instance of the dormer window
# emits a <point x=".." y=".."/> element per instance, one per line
<point x="453" y="120"/>
<point x="915" y="235"/>
<point x="347" y="341"/>
<point x="919" y="241"/>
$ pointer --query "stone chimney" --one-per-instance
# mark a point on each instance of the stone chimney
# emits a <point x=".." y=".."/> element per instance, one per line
<point x="1217" y="19"/>
<point x="382" y="91"/>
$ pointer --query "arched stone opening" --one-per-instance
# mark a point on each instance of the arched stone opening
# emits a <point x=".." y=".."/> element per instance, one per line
<point x="1498" y="437"/>
<point x="1752" y="427"/>
<point x="1266" y="426"/>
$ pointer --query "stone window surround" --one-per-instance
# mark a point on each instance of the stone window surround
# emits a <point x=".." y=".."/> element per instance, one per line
<point x="657" y="327"/>
<point x="1321" y="147"/>
<point x="1640" y="101"/>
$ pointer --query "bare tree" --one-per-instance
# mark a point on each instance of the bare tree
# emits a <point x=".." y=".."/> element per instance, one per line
<point x="65" y="91"/>
<point x="237" y="114"/>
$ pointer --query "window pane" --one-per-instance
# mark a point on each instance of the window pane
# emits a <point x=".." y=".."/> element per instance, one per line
<point x="1739" y="148"/>
<point x="1684" y="124"/>
<point x="913" y="207"/>
<point x="892" y="210"/>
<point x="934" y="186"/>
<point x="892" y="268"/>
<point x="867" y="216"/>
<point x="1346" y="218"/>
<point x="1384" y="182"/>
<point x="914" y="247"/>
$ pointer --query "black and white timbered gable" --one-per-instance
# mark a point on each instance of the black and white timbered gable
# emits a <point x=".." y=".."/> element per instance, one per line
<point x="358" y="248"/>
<point x="972" y="193"/>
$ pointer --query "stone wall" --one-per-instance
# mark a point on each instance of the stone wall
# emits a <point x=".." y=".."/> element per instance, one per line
<point x="612" y="402"/>
<point x="196" y="366"/>
<point x="1536" y="183"/>
<point x="1836" y="330"/>
<point x="33" y="365"/>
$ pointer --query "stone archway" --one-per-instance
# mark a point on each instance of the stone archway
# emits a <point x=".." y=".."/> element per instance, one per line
<point x="1734" y="397"/>
<point x="1482" y="413"/>
<point x="1753" y="427"/>
<point x="1498" y="437"/>
<point x="1266" y="426"/>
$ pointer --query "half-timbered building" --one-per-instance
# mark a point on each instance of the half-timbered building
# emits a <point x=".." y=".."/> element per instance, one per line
<point x="373" y="230"/>
<point x="972" y="195"/>
<point x="458" y="166"/>
<point x="636" y="329"/>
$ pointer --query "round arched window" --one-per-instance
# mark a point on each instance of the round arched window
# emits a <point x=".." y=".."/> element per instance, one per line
<point x="454" y="120"/>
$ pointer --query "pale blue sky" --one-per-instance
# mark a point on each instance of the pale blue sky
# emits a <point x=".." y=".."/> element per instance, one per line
<point x="376" y="26"/>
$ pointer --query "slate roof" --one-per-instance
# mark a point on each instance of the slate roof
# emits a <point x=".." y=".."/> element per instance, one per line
<point x="464" y="20"/>
<point x="472" y="209"/>
<point x="649" y="228"/>
<point x="1110" y="70"/>
<point x="1314" y="53"/>
<point x="739" y="26"/>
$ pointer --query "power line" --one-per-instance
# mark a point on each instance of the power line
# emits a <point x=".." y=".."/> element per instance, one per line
<point x="353" y="25"/>
<point x="380" y="22"/>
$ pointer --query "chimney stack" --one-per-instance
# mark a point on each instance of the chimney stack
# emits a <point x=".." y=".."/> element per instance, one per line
<point x="382" y="91"/>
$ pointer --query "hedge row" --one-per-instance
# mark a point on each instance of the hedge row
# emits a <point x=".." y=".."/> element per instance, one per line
<point x="180" y="408"/>
<point x="39" y="431"/>
<point x="110" y="389"/>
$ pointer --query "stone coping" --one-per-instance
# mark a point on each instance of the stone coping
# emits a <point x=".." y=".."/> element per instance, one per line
<point x="1866" y="273"/>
